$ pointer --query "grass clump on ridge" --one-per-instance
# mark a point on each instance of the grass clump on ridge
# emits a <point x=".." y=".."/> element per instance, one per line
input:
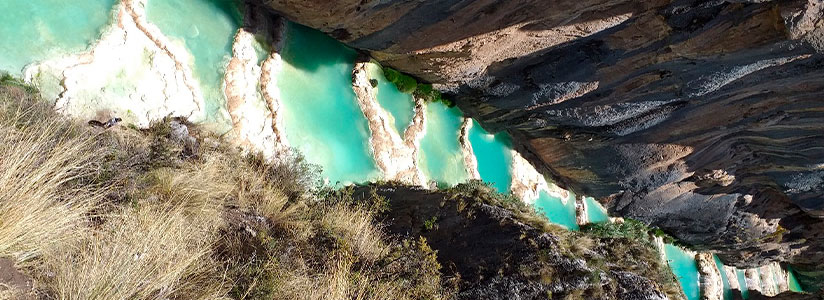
<point x="149" y="214"/>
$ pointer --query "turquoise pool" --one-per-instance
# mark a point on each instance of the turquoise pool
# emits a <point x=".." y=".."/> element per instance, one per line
<point x="558" y="212"/>
<point x="207" y="31"/>
<point x="321" y="116"/>
<point x="53" y="28"/>
<point x="440" y="152"/>
<point x="494" y="156"/>
<point x="595" y="212"/>
<point x="685" y="269"/>
<point x="726" y="281"/>
<point x="399" y="105"/>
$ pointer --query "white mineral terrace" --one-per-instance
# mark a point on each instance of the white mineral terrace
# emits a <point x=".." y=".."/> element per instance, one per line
<point x="470" y="161"/>
<point x="396" y="157"/>
<point x="133" y="72"/>
<point x="581" y="215"/>
<point x="712" y="285"/>
<point x="527" y="182"/>
<point x="252" y="123"/>
<point x="269" y="88"/>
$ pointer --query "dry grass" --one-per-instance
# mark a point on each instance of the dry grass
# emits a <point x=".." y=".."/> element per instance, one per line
<point x="131" y="214"/>
<point x="152" y="252"/>
<point x="40" y="158"/>
<point x="355" y="230"/>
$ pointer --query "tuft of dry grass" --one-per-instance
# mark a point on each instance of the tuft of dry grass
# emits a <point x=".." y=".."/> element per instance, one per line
<point x="151" y="252"/>
<point x="40" y="158"/>
<point x="354" y="230"/>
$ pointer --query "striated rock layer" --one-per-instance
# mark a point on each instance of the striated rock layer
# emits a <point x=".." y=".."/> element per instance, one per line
<point x="701" y="117"/>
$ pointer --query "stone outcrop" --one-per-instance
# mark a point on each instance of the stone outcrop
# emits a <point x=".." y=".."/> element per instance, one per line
<point x="700" y="117"/>
<point x="712" y="286"/>
<point x="497" y="252"/>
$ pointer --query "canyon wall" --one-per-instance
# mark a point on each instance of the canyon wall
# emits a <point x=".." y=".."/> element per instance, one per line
<point x="705" y="118"/>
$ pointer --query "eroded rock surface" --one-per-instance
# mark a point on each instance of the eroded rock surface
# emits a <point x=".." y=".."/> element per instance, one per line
<point x="497" y="252"/>
<point x="701" y="117"/>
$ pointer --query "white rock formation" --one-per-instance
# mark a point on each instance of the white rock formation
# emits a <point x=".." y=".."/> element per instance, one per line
<point x="732" y="277"/>
<point x="470" y="161"/>
<point x="581" y="207"/>
<point x="396" y="157"/>
<point x="133" y="72"/>
<point x="252" y="122"/>
<point x="712" y="285"/>
<point x="753" y="280"/>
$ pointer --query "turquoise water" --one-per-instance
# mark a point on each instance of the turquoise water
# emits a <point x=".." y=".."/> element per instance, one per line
<point x="321" y="116"/>
<point x="52" y="27"/>
<point x="400" y="105"/>
<point x="440" y="153"/>
<point x="685" y="269"/>
<point x="206" y="28"/>
<point x="595" y="212"/>
<point x="494" y="156"/>
<point x="742" y="282"/>
<point x="556" y="211"/>
<point x="726" y="281"/>
<point x="795" y="286"/>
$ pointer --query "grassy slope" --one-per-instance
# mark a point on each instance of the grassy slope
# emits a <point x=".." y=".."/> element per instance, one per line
<point x="125" y="213"/>
<point x="149" y="214"/>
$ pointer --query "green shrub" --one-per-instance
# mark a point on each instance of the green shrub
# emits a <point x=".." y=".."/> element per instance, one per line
<point x="409" y="85"/>
<point x="7" y="79"/>
<point x="629" y="229"/>
<point x="403" y="82"/>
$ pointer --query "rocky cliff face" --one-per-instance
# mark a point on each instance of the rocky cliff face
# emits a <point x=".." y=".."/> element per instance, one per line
<point x="498" y="249"/>
<point x="701" y="117"/>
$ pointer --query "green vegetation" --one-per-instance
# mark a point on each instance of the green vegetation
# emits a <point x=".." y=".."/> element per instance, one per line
<point x="149" y="214"/>
<point x="431" y="223"/>
<point x="620" y="235"/>
<point x="7" y="79"/>
<point x="408" y="84"/>
<point x="404" y="83"/>
<point x="629" y="229"/>
<point x="430" y="94"/>
<point x="776" y="236"/>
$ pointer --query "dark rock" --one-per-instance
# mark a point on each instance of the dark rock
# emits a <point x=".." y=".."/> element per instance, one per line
<point x="19" y="285"/>
<point x="498" y="254"/>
